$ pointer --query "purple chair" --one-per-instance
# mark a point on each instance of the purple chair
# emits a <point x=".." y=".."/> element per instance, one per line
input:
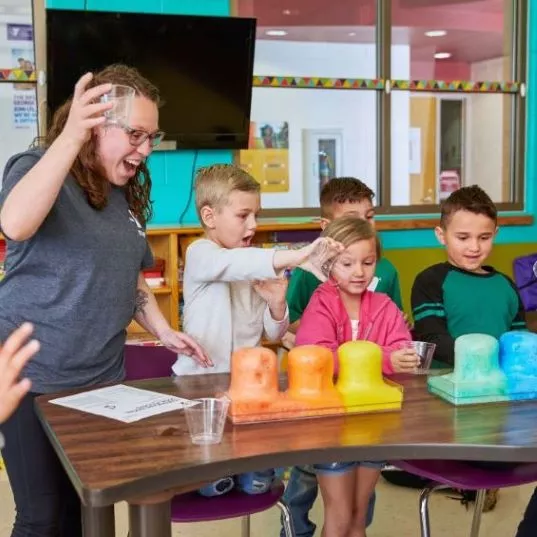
<point x="155" y="362"/>
<point x="148" y="362"/>
<point x="461" y="475"/>
<point x="192" y="507"/>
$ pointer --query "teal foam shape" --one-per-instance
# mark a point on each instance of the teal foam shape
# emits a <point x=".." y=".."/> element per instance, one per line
<point x="468" y="393"/>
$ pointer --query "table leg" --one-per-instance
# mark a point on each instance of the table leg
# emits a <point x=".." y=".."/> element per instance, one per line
<point x="98" y="521"/>
<point x="150" y="520"/>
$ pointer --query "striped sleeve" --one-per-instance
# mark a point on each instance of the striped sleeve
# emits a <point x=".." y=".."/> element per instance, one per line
<point x="430" y="322"/>
<point x="519" y="320"/>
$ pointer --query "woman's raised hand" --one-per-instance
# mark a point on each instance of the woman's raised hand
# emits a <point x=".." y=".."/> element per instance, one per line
<point x="86" y="110"/>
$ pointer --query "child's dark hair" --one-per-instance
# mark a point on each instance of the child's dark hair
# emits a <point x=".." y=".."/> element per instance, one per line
<point x="468" y="198"/>
<point x="343" y="190"/>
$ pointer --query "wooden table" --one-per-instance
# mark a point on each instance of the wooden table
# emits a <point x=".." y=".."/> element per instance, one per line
<point x="145" y="463"/>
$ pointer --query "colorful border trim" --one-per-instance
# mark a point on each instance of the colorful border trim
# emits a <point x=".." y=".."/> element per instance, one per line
<point x="17" y="75"/>
<point x="318" y="82"/>
<point x="462" y="86"/>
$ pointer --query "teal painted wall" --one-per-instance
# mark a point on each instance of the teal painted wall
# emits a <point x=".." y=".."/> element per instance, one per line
<point x="171" y="171"/>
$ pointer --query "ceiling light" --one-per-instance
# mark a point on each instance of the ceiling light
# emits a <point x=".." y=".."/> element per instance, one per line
<point x="276" y="33"/>
<point x="442" y="55"/>
<point x="436" y="33"/>
<point x="352" y="34"/>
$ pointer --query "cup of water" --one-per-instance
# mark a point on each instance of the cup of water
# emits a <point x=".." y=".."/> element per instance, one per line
<point x="121" y="97"/>
<point x="425" y="351"/>
<point x="206" y="419"/>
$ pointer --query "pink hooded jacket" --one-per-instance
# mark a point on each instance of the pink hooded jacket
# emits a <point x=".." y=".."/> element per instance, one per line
<point x="325" y="322"/>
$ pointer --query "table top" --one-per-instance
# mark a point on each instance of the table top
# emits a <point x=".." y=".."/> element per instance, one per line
<point x="110" y="461"/>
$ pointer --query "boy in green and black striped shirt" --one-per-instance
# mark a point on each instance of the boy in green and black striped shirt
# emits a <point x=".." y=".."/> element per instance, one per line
<point x="463" y="295"/>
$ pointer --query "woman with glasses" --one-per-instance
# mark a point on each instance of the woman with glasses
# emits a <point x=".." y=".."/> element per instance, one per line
<point x="73" y="213"/>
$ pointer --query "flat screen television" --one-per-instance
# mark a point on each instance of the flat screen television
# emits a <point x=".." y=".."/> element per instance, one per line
<point x="203" y="67"/>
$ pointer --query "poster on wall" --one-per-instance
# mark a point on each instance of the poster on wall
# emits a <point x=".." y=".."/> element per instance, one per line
<point x="19" y="32"/>
<point x="24" y="95"/>
<point x="24" y="109"/>
<point x="267" y="156"/>
<point x="23" y="58"/>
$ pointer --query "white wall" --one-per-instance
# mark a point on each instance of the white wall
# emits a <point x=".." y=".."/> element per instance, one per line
<point x="352" y="112"/>
<point x="485" y="134"/>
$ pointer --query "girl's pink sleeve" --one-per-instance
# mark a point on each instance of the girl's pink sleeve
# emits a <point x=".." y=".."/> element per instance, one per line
<point x="317" y="326"/>
<point x="397" y="333"/>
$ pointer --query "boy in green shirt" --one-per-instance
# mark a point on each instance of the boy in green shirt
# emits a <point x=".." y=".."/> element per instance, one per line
<point x="463" y="295"/>
<point x="340" y="196"/>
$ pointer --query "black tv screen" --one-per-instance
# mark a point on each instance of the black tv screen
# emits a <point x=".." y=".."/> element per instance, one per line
<point x="203" y="67"/>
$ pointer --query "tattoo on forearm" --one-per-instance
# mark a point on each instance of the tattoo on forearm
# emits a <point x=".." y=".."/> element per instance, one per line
<point x="141" y="301"/>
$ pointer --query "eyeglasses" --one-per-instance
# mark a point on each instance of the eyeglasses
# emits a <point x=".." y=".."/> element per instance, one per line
<point x="137" y="137"/>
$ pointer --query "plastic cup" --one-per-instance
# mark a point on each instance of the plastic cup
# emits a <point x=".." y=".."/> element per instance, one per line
<point x="122" y="97"/>
<point x="322" y="259"/>
<point x="425" y="351"/>
<point x="206" y="419"/>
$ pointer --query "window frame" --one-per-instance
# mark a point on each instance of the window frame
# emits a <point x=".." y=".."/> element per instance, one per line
<point x="384" y="88"/>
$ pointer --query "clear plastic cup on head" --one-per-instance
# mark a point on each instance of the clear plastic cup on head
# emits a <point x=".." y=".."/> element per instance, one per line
<point x="425" y="351"/>
<point x="122" y="98"/>
<point x="206" y="419"/>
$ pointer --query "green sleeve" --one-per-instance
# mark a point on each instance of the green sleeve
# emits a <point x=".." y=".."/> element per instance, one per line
<point x="302" y="284"/>
<point x="519" y="320"/>
<point x="395" y="292"/>
<point x="389" y="281"/>
<point x="430" y="321"/>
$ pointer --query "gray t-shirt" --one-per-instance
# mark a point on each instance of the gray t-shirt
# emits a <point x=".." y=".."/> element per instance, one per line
<point x="75" y="280"/>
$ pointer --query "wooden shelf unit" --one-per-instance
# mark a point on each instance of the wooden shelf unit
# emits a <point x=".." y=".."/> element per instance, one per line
<point x="171" y="242"/>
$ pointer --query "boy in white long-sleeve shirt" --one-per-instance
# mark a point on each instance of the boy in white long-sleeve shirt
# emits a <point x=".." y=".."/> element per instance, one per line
<point x="233" y="294"/>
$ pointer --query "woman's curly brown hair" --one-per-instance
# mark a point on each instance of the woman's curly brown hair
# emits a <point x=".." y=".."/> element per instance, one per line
<point x="87" y="169"/>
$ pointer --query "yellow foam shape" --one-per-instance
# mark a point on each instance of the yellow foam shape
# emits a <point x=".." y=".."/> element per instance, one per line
<point x="360" y="381"/>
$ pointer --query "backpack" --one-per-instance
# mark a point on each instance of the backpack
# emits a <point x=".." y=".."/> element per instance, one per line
<point x="525" y="273"/>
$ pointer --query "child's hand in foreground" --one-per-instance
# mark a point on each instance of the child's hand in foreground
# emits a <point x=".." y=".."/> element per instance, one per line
<point x="404" y="360"/>
<point x="273" y="293"/>
<point x="14" y="355"/>
<point x="319" y="256"/>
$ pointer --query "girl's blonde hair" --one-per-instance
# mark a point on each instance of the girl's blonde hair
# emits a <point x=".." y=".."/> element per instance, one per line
<point x="350" y="229"/>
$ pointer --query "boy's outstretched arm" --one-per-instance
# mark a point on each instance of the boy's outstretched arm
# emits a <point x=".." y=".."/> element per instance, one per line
<point x="213" y="263"/>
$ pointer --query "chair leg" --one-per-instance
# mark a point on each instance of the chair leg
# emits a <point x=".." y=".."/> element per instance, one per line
<point x="478" y="511"/>
<point x="245" y="526"/>
<point x="424" y="508"/>
<point x="288" y="527"/>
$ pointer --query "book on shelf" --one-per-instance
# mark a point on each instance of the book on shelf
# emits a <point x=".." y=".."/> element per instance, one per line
<point x="155" y="282"/>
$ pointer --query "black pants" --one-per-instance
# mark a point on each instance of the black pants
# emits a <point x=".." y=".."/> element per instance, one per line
<point x="528" y="526"/>
<point x="46" y="502"/>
